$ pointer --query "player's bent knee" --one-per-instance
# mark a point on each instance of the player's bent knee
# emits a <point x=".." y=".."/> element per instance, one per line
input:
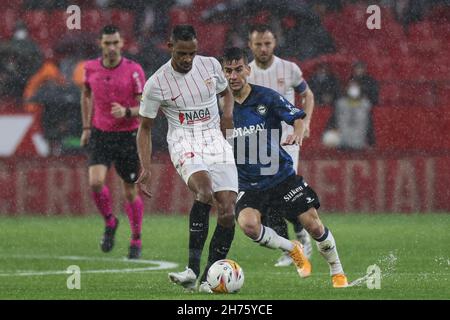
<point x="96" y="185"/>
<point x="226" y="218"/>
<point x="316" y="229"/>
<point x="130" y="195"/>
<point x="250" y="229"/>
<point x="205" y="196"/>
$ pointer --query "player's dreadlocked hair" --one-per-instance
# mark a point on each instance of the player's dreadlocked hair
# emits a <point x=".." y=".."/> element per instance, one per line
<point x="234" y="54"/>
<point x="183" y="32"/>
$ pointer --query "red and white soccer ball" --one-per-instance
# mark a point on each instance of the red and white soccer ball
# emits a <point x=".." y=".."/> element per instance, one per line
<point x="225" y="276"/>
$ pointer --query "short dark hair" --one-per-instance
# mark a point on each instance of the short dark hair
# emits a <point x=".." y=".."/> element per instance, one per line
<point x="234" y="54"/>
<point x="183" y="32"/>
<point x="110" y="29"/>
<point x="260" y="28"/>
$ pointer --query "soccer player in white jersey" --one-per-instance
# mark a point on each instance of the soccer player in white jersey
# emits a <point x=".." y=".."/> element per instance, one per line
<point x="286" y="78"/>
<point x="185" y="89"/>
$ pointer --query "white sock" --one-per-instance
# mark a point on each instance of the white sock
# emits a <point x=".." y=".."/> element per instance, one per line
<point x="327" y="248"/>
<point x="270" y="239"/>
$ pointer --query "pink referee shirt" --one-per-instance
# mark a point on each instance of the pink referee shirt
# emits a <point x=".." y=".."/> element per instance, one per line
<point x="120" y="84"/>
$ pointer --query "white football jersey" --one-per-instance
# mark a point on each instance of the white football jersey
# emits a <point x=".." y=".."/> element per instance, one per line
<point x="188" y="100"/>
<point x="282" y="76"/>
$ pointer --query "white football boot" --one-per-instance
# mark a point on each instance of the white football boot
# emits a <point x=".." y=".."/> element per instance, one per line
<point x="204" y="287"/>
<point x="284" y="260"/>
<point x="305" y="240"/>
<point x="187" y="278"/>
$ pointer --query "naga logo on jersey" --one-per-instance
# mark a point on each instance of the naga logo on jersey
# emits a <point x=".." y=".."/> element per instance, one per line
<point x="280" y="82"/>
<point x="192" y="117"/>
<point x="262" y="109"/>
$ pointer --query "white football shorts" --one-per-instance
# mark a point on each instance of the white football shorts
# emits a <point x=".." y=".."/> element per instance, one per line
<point x="212" y="154"/>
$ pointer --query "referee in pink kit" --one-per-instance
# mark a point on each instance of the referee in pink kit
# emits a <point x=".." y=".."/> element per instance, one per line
<point x="109" y="106"/>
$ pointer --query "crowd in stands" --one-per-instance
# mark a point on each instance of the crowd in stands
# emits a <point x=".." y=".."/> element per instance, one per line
<point x="41" y="62"/>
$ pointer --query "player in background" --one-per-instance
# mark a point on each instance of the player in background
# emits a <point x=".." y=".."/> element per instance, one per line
<point x="286" y="78"/>
<point x="185" y="89"/>
<point x="258" y="113"/>
<point x="109" y="105"/>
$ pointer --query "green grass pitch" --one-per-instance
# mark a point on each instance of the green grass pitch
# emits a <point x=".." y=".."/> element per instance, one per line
<point x="412" y="251"/>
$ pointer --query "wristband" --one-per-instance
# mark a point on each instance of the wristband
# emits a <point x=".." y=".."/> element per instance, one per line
<point x="128" y="113"/>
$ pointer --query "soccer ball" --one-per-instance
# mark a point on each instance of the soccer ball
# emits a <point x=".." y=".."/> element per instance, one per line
<point x="225" y="276"/>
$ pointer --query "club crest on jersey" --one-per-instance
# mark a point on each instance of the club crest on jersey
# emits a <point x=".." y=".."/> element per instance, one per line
<point x="280" y="82"/>
<point x="209" y="83"/>
<point x="262" y="109"/>
<point x="192" y="117"/>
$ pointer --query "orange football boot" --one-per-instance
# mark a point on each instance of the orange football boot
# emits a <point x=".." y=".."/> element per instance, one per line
<point x="301" y="262"/>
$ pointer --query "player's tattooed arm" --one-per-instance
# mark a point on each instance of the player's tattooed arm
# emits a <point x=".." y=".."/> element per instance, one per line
<point x="228" y="105"/>
<point x="86" y="114"/>
<point x="144" y="145"/>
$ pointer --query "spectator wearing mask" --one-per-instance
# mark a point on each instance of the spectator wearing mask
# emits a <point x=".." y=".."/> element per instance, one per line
<point x="351" y="125"/>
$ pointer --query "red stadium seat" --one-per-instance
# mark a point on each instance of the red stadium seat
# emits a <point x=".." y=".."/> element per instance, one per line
<point x="93" y="20"/>
<point x="200" y="5"/>
<point x="439" y="15"/>
<point x="8" y="20"/>
<point x="443" y="94"/>
<point x="124" y="20"/>
<point x="381" y="68"/>
<point x="182" y="15"/>
<point x="420" y="31"/>
<point x="12" y="4"/>
<point x="211" y="38"/>
<point x="37" y="23"/>
<point x="416" y="94"/>
<point x="389" y="94"/>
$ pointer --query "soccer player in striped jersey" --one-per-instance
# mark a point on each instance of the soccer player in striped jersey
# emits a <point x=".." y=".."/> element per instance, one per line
<point x="185" y="89"/>
<point x="286" y="78"/>
<point x="109" y="105"/>
<point x="257" y="114"/>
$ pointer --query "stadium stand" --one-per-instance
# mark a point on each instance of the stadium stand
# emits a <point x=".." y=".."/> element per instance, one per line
<point x="410" y="63"/>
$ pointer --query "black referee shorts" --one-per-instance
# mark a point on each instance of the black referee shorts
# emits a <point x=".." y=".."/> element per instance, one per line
<point x="291" y="197"/>
<point x="118" y="148"/>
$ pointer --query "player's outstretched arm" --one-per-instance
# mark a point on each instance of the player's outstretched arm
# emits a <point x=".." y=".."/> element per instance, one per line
<point x="144" y="145"/>
<point x="308" y="108"/>
<point x="297" y="136"/>
<point x="86" y="114"/>
<point x="226" y="121"/>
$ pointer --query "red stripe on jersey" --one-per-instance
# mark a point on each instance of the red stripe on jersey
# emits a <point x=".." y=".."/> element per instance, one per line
<point x="179" y="90"/>
<point x="162" y="92"/>
<point x="171" y="92"/>
<point x="277" y="77"/>
<point x="187" y="85"/>
<point x="204" y="80"/>
<point x="197" y="87"/>
<point x="212" y="64"/>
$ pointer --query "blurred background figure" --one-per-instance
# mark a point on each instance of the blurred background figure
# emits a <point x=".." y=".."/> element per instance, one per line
<point x="55" y="88"/>
<point x="20" y="58"/>
<point x="351" y="126"/>
<point x="325" y="85"/>
<point x="369" y="86"/>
